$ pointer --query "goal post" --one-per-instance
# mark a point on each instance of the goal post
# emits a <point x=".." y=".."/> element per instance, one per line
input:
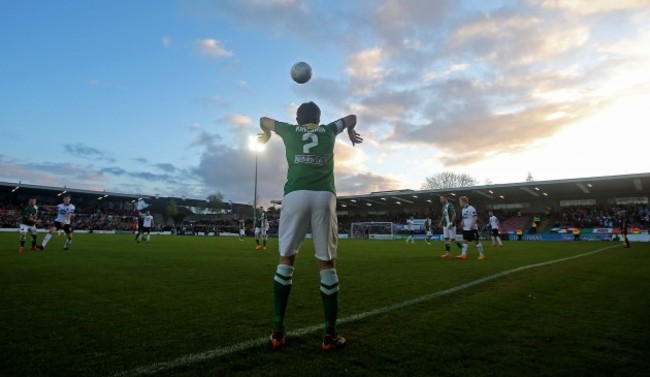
<point x="372" y="230"/>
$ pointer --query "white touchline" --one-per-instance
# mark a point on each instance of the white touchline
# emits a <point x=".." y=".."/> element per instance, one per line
<point x="194" y="358"/>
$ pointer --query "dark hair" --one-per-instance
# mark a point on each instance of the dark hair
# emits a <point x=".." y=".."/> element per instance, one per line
<point x="308" y="112"/>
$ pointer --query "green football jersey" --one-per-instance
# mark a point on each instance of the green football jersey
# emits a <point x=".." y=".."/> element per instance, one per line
<point x="28" y="212"/>
<point x="309" y="151"/>
<point x="448" y="213"/>
<point x="259" y="218"/>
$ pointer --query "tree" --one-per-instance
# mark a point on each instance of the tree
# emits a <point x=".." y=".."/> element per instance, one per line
<point x="215" y="202"/>
<point x="448" y="179"/>
<point x="173" y="212"/>
<point x="529" y="177"/>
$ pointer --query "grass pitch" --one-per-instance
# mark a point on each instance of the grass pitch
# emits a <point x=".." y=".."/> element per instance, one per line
<point x="201" y="306"/>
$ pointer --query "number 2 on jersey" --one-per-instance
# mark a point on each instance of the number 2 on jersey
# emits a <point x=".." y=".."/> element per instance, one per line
<point x="313" y="138"/>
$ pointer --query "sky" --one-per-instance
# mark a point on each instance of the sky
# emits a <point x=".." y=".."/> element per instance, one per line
<point x="162" y="97"/>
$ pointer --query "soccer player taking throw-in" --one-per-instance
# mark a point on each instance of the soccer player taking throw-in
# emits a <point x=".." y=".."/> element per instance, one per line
<point x="309" y="201"/>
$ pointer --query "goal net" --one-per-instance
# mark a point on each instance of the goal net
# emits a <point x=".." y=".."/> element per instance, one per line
<point x="372" y="230"/>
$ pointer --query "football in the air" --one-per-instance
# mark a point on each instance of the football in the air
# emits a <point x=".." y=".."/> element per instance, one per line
<point x="301" y="72"/>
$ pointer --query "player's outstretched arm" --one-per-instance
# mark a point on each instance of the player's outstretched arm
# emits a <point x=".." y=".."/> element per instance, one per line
<point x="267" y="125"/>
<point x="350" y="122"/>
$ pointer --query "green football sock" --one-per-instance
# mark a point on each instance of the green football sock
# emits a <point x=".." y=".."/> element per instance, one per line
<point x="329" y="288"/>
<point x="281" y="291"/>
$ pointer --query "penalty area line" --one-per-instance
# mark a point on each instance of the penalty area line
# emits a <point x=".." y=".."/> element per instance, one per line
<point x="222" y="351"/>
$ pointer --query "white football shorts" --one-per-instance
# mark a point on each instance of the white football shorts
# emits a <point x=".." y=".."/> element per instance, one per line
<point x="303" y="208"/>
<point x="24" y="228"/>
<point x="449" y="233"/>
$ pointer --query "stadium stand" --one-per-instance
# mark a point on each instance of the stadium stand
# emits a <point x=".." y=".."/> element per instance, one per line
<point x="597" y="202"/>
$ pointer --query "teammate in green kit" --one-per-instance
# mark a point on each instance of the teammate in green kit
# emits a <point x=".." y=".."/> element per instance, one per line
<point x="28" y="222"/>
<point x="309" y="201"/>
<point x="448" y="224"/>
<point x="427" y="229"/>
<point x="242" y="230"/>
<point x="261" y="226"/>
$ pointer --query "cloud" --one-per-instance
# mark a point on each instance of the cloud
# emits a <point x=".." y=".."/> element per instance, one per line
<point x="83" y="151"/>
<point x="166" y="167"/>
<point x="166" y="41"/>
<point x="48" y="173"/>
<point x="114" y="170"/>
<point x="213" y="47"/>
<point x="351" y="184"/>
<point x="389" y="106"/>
<point x="231" y="170"/>
<point x="337" y="21"/>
<point x="469" y="83"/>
<point x="207" y="140"/>
<point x="406" y="24"/>
<point x="512" y="39"/>
<point x="74" y="175"/>
<point x="239" y="120"/>
<point x="589" y="7"/>
<point x="365" y="69"/>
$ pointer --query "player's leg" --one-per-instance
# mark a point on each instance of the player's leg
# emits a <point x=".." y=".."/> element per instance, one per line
<point x="21" y="239"/>
<point x="258" y="231"/>
<point x="479" y="245"/>
<point x="463" y="251"/>
<point x="148" y="236"/>
<point x="464" y="245"/>
<point x="282" y="283"/>
<point x="264" y="238"/>
<point x="498" y="237"/>
<point x="34" y="233"/>
<point x="446" y="236"/>
<point x="68" y="235"/>
<point x="48" y="236"/>
<point x="324" y="227"/>
<point x="453" y="237"/>
<point x="294" y="220"/>
<point x="447" y="253"/>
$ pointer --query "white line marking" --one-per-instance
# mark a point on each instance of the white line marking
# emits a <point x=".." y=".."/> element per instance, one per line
<point x="212" y="354"/>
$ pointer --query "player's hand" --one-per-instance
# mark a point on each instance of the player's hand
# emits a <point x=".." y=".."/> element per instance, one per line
<point x="263" y="137"/>
<point x="354" y="136"/>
